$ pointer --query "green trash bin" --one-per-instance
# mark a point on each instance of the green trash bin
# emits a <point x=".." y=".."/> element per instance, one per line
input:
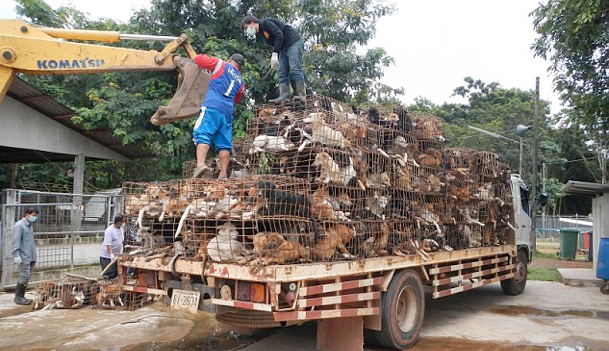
<point x="568" y="243"/>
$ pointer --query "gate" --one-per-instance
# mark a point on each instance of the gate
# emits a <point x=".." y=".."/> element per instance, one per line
<point x="68" y="233"/>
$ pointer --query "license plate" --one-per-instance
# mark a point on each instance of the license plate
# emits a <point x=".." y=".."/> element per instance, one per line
<point x="185" y="300"/>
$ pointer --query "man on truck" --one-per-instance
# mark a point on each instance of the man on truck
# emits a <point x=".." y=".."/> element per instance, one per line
<point x="287" y="52"/>
<point x="215" y="122"/>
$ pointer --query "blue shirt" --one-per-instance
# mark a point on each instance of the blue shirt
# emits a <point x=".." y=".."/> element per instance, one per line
<point x="225" y="87"/>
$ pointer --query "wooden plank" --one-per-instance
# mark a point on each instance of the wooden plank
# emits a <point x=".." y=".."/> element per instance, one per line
<point x="351" y="284"/>
<point x="323" y="314"/>
<point x="467" y="265"/>
<point x="462" y="288"/>
<point x="142" y="290"/>
<point x="243" y="304"/>
<point x="472" y="275"/>
<point x="341" y="299"/>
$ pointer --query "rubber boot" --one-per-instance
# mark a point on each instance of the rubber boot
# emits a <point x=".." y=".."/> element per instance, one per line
<point x="301" y="91"/>
<point x="20" y="295"/>
<point x="284" y="91"/>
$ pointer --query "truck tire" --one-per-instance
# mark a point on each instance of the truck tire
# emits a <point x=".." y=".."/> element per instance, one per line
<point x="403" y="310"/>
<point x="515" y="286"/>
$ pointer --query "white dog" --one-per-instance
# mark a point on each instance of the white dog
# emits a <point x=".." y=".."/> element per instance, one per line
<point x="265" y="142"/>
<point x="324" y="134"/>
<point x="331" y="171"/>
<point x="224" y="246"/>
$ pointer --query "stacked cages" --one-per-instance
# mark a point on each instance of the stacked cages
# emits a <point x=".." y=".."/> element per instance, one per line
<point x="77" y="292"/>
<point x="325" y="183"/>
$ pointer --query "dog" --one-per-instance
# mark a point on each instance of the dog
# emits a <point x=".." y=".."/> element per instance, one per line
<point x="272" y="143"/>
<point x="377" y="245"/>
<point x="110" y="295"/>
<point x="380" y="180"/>
<point x="331" y="172"/>
<point x="280" y="202"/>
<point x="325" y="135"/>
<point x="224" y="246"/>
<point x="377" y="204"/>
<point x="323" y="208"/>
<point x="325" y="249"/>
<point x="275" y="249"/>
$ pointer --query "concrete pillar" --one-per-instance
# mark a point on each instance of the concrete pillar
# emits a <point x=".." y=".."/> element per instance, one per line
<point x="600" y="224"/>
<point x="77" y="213"/>
<point x="79" y="174"/>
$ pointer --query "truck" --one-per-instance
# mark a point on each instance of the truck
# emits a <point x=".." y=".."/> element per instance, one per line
<point x="401" y="212"/>
<point x="33" y="50"/>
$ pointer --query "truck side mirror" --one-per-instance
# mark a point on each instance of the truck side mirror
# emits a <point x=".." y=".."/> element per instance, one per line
<point x="543" y="200"/>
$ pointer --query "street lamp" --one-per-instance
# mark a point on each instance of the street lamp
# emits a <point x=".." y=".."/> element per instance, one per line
<point x="520" y="131"/>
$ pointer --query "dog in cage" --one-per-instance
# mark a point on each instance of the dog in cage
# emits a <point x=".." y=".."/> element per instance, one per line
<point x="323" y="134"/>
<point x="335" y="238"/>
<point x="225" y="246"/>
<point x="273" y="248"/>
<point x="331" y="172"/>
<point x="280" y="202"/>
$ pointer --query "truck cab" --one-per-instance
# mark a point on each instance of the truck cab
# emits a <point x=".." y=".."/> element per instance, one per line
<point x="525" y="239"/>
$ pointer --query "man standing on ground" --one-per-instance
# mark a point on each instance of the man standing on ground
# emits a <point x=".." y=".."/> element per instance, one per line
<point x="24" y="253"/>
<point x="114" y="236"/>
<point x="215" y="122"/>
<point x="287" y="52"/>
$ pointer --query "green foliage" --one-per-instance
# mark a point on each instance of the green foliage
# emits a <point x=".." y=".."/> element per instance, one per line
<point x="573" y="37"/>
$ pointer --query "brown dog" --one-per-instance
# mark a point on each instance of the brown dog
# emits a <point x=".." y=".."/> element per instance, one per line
<point x="275" y="249"/>
<point x="336" y="237"/>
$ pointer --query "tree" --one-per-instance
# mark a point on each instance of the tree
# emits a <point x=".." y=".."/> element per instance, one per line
<point x="123" y="103"/>
<point x="574" y="37"/>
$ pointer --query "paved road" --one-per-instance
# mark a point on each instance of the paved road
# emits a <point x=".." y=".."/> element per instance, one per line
<point x="548" y="316"/>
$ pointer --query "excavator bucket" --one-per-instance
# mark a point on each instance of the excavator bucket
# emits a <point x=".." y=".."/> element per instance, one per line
<point x="192" y="87"/>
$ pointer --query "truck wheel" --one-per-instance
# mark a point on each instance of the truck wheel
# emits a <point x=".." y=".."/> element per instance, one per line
<point x="403" y="309"/>
<point x="515" y="286"/>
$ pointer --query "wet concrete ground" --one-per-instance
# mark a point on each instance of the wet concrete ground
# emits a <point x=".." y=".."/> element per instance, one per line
<point x="548" y="316"/>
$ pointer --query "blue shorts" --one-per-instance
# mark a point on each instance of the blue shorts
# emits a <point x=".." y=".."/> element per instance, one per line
<point x="213" y="125"/>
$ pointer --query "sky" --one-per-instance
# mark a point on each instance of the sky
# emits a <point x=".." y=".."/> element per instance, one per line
<point x="435" y="44"/>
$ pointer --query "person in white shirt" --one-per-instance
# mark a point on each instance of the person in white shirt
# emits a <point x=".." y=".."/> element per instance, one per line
<point x="114" y="236"/>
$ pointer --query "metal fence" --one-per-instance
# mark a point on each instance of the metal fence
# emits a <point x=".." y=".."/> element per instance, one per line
<point x="548" y="227"/>
<point x="68" y="233"/>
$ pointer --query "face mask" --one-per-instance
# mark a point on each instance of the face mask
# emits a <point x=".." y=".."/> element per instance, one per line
<point x="32" y="219"/>
<point x="123" y="225"/>
<point x="250" y="32"/>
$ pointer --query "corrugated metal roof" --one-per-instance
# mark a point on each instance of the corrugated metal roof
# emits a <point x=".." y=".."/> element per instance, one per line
<point x="574" y="187"/>
<point x="46" y="105"/>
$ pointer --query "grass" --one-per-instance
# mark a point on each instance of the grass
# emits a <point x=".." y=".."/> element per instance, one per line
<point x="544" y="274"/>
<point x="549" y="255"/>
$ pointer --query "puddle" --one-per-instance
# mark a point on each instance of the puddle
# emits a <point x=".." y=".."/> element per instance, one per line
<point x="547" y="312"/>
<point x="205" y="335"/>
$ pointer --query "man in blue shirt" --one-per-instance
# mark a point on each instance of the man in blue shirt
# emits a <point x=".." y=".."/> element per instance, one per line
<point x="215" y="122"/>
<point x="288" y="47"/>
<point x="23" y="251"/>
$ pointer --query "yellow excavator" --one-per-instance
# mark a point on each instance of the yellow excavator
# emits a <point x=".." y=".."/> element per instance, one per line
<point x="28" y="49"/>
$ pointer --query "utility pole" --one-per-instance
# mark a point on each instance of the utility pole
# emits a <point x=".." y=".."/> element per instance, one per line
<point x="535" y="162"/>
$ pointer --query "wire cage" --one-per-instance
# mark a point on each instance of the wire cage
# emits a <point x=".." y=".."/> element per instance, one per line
<point x="70" y="292"/>
<point x="325" y="183"/>
<point x="427" y="127"/>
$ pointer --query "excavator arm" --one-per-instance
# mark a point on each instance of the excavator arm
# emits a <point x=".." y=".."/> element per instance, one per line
<point x="33" y="50"/>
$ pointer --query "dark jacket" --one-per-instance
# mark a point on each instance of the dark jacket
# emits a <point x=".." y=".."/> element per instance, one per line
<point x="277" y="34"/>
